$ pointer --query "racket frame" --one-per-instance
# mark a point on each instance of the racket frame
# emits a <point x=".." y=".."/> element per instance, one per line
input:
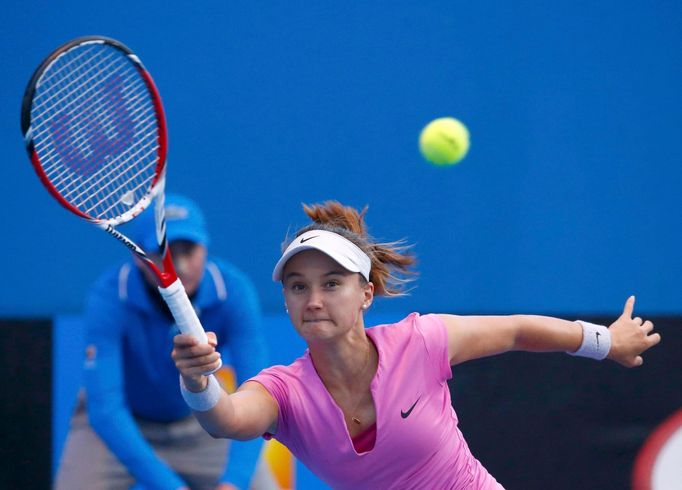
<point x="169" y="284"/>
<point x="27" y="104"/>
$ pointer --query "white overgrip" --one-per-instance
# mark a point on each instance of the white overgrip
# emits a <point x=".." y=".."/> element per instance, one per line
<point x="183" y="312"/>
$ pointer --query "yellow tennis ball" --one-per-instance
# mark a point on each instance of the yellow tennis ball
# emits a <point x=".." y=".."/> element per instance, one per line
<point x="444" y="141"/>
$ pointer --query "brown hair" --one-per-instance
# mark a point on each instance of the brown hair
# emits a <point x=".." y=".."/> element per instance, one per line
<point x="391" y="261"/>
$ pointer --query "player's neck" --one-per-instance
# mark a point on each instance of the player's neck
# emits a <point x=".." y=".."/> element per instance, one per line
<point x="346" y="364"/>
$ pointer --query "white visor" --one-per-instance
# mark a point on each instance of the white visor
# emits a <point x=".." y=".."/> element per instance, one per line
<point x="342" y="250"/>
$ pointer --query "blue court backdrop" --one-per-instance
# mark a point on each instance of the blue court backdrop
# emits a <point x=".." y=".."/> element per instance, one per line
<point x="567" y="203"/>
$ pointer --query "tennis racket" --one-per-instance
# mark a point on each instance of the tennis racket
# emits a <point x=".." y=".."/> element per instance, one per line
<point x="95" y="132"/>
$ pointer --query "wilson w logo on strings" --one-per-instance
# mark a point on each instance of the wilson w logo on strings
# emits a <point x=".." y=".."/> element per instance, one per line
<point x="87" y="147"/>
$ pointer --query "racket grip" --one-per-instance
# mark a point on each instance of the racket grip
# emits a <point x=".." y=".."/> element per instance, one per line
<point x="183" y="311"/>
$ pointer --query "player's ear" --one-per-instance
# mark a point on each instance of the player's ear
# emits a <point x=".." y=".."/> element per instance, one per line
<point x="368" y="295"/>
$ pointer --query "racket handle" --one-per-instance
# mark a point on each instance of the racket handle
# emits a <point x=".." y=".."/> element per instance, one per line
<point x="183" y="311"/>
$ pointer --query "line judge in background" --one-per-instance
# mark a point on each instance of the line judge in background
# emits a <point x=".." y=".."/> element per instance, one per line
<point x="132" y="428"/>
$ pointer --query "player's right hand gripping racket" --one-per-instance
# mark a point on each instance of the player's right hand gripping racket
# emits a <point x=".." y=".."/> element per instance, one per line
<point x="95" y="131"/>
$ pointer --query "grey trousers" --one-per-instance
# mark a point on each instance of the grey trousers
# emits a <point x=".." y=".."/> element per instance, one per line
<point x="197" y="457"/>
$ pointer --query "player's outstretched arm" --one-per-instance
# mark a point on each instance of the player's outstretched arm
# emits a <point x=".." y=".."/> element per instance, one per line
<point x="473" y="337"/>
<point x="246" y="414"/>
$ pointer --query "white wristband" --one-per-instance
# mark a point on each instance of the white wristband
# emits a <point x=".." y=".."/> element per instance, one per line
<point x="204" y="400"/>
<point x="596" y="341"/>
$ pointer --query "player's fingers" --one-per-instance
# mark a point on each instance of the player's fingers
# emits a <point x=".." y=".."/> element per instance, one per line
<point x="653" y="339"/>
<point x="213" y="368"/>
<point x="195" y="351"/>
<point x="184" y="340"/>
<point x="637" y="320"/>
<point x="187" y="363"/>
<point x="199" y="371"/>
<point x="647" y="326"/>
<point x="204" y="359"/>
<point x="638" y="361"/>
<point x="212" y="338"/>
<point x="629" y="307"/>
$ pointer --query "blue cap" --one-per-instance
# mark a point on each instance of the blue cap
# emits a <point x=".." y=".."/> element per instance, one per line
<point x="184" y="221"/>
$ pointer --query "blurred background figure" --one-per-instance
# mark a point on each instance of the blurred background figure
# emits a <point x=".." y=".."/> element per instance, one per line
<point x="131" y="426"/>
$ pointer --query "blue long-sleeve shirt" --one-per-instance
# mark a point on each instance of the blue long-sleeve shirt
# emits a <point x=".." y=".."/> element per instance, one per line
<point x="129" y="372"/>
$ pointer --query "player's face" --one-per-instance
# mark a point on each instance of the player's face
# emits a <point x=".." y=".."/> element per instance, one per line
<point x="189" y="260"/>
<point x="324" y="299"/>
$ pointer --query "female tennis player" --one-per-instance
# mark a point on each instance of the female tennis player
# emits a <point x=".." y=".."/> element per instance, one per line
<point x="370" y="407"/>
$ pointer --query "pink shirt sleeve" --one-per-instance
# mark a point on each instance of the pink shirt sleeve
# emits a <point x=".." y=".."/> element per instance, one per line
<point x="432" y="330"/>
<point x="272" y="379"/>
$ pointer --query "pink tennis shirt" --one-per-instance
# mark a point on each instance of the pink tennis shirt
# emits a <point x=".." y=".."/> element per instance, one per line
<point x="418" y="443"/>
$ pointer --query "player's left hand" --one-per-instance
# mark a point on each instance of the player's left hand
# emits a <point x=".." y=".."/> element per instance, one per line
<point x="630" y="337"/>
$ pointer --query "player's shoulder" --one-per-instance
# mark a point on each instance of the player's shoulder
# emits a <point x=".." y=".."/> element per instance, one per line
<point x="404" y="326"/>
<point x="413" y="326"/>
<point x="412" y="340"/>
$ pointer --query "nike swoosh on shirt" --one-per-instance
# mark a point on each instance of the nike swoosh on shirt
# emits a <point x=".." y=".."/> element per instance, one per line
<point x="407" y="414"/>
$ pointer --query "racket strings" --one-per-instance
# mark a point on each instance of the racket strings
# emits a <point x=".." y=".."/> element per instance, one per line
<point x="109" y="170"/>
<point x="59" y="173"/>
<point x="96" y="149"/>
<point x="96" y="131"/>
<point x="117" y="196"/>
<point x="57" y="180"/>
<point x="86" y="118"/>
<point x="76" y="129"/>
<point x="52" y="166"/>
<point x="69" y="92"/>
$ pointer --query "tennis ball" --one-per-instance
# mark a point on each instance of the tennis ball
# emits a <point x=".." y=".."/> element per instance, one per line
<point x="444" y="141"/>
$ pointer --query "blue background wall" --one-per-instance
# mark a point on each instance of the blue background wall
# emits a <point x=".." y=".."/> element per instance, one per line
<point x="567" y="203"/>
